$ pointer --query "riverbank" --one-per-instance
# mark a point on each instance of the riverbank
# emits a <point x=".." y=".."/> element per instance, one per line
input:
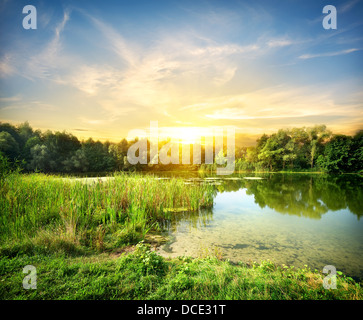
<point x="142" y="274"/>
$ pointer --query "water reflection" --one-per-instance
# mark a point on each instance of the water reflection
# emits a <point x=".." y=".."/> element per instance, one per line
<point x="308" y="195"/>
<point x="199" y="219"/>
<point x="303" y="195"/>
<point x="295" y="219"/>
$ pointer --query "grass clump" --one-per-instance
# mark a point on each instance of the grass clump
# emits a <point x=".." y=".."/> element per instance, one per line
<point x="143" y="262"/>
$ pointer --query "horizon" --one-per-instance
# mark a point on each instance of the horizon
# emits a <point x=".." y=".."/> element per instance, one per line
<point x="101" y="70"/>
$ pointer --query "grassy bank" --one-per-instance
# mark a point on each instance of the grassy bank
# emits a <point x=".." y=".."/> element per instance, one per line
<point x="143" y="274"/>
<point x="81" y="237"/>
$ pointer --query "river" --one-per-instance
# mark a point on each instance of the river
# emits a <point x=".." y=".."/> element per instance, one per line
<point x="293" y="219"/>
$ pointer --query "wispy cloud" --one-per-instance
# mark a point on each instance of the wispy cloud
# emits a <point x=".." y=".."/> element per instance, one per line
<point x="225" y="49"/>
<point x="278" y="103"/>
<point x="347" y="6"/>
<point x="91" y="121"/>
<point x="6" y="66"/>
<point x="17" y="103"/>
<point x="11" y="99"/>
<point x="159" y="71"/>
<point x="92" y="78"/>
<point x="328" y="54"/>
<point x="79" y="129"/>
<point x="282" y="42"/>
<point x="45" y="63"/>
<point x="117" y="42"/>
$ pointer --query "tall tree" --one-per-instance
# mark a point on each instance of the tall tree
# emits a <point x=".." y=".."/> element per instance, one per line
<point x="271" y="153"/>
<point x="317" y="135"/>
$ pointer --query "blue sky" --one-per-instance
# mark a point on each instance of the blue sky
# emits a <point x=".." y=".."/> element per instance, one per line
<point x="102" y="68"/>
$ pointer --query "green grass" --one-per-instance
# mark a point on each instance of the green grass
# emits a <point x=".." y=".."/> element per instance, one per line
<point x="145" y="275"/>
<point x="72" y="231"/>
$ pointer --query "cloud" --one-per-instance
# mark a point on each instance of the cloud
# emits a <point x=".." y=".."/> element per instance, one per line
<point x="238" y="114"/>
<point x="347" y="6"/>
<point x="328" y="54"/>
<point x="37" y="61"/>
<point x="154" y="76"/>
<point x="117" y="42"/>
<point x="273" y="43"/>
<point x="224" y="50"/>
<point x="44" y="65"/>
<point x="11" y="99"/>
<point x="91" y="121"/>
<point x="280" y="105"/>
<point x="17" y="103"/>
<point x="6" y="66"/>
<point x="90" y="79"/>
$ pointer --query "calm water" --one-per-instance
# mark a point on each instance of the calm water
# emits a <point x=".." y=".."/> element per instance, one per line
<point x="295" y="219"/>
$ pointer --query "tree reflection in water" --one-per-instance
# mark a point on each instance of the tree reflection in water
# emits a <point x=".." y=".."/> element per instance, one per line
<point x="301" y="194"/>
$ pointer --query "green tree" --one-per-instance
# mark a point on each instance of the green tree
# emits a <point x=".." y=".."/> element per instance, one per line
<point x="272" y="151"/>
<point x="77" y="162"/>
<point x="251" y="157"/>
<point x="118" y="152"/>
<point x="317" y="135"/>
<point x="60" y="147"/>
<point x="357" y="152"/>
<point x="300" y="139"/>
<point x="41" y="159"/>
<point x="290" y="153"/>
<point x="97" y="155"/>
<point x="8" y="145"/>
<point x="29" y="144"/>
<point x="337" y="155"/>
<point x="25" y="132"/>
<point x="13" y="131"/>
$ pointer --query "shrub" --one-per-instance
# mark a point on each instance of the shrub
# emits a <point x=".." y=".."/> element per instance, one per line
<point x="143" y="261"/>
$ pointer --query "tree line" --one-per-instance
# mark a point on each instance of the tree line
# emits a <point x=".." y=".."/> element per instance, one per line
<point x="308" y="148"/>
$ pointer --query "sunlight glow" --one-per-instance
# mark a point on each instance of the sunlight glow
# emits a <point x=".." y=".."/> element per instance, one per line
<point x="185" y="135"/>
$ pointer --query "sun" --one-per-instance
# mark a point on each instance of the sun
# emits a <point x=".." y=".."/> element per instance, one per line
<point x="187" y="135"/>
<point x="190" y="135"/>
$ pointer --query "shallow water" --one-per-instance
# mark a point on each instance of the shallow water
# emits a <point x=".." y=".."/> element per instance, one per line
<point x="292" y="219"/>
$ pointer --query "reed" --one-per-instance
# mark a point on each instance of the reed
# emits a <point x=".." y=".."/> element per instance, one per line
<point x="122" y="208"/>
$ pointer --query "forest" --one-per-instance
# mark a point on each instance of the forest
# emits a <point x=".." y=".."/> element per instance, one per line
<point x="298" y="149"/>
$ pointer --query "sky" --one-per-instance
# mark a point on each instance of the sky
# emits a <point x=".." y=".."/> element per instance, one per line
<point x="103" y="68"/>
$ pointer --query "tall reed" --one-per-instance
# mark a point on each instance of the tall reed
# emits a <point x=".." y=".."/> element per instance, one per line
<point x="123" y="204"/>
